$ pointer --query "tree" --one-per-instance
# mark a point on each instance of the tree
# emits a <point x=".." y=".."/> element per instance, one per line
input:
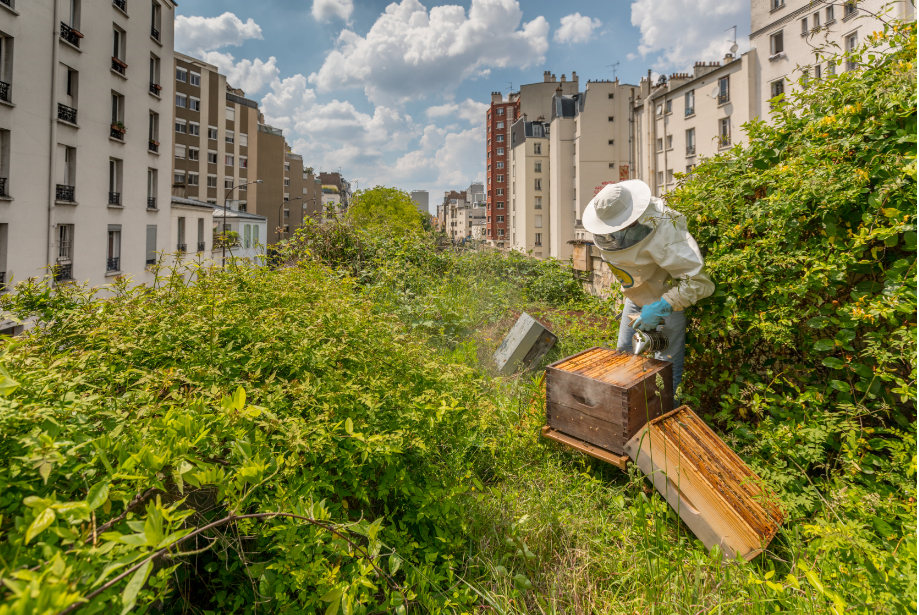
<point x="385" y="206"/>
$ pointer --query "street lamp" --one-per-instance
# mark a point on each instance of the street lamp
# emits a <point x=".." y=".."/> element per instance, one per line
<point x="281" y="218"/>
<point x="225" y="208"/>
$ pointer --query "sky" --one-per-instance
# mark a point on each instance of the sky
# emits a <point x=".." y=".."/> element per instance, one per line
<point x="395" y="93"/>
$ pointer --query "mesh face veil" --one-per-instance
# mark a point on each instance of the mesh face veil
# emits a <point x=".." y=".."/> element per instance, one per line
<point x="621" y="240"/>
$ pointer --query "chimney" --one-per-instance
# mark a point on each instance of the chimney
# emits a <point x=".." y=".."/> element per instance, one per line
<point x="558" y="91"/>
<point x="563" y="78"/>
<point x="546" y="76"/>
<point x="553" y="77"/>
<point x="574" y="76"/>
<point x="728" y="58"/>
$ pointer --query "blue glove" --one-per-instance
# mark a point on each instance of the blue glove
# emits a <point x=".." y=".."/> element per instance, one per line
<point x="652" y="315"/>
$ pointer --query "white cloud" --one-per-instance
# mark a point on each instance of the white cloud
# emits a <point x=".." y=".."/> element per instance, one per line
<point x="576" y="28"/>
<point x="197" y="35"/>
<point x="250" y="76"/>
<point x="325" y="10"/>
<point x="678" y="33"/>
<point x="410" y="52"/>
<point x="469" y="110"/>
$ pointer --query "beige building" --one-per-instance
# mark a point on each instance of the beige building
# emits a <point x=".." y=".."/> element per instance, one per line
<point x="529" y="187"/>
<point x="797" y="37"/>
<point x="79" y="184"/>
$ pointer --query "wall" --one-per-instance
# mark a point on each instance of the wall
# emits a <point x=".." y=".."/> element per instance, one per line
<point x="270" y="193"/>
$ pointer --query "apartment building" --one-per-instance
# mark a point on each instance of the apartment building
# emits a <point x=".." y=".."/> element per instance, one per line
<point x="533" y="100"/>
<point x="312" y="194"/>
<point x="420" y="199"/>
<point x="795" y="38"/>
<point x="529" y="187"/>
<point x="78" y="182"/>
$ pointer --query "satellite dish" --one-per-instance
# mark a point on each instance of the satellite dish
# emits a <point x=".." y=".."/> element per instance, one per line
<point x="659" y="109"/>
<point x="733" y="47"/>
<point x="715" y="91"/>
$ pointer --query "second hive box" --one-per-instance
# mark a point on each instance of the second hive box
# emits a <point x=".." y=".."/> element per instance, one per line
<point x="604" y="397"/>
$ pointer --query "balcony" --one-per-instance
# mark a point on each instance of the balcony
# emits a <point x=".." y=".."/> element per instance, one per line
<point x="117" y="131"/>
<point x="70" y="35"/>
<point x="151" y="202"/>
<point x="64" y="193"/>
<point x="121" y="4"/>
<point x="3" y="187"/>
<point x="62" y="272"/>
<point x="118" y="66"/>
<point x="182" y="247"/>
<point x="724" y="97"/>
<point x="5" y="91"/>
<point x="153" y="146"/>
<point x="66" y="114"/>
<point x="113" y="264"/>
<point x="154" y="33"/>
<point x="114" y="198"/>
<point x="690" y="111"/>
<point x="690" y="150"/>
<point x="201" y="245"/>
<point x="155" y="88"/>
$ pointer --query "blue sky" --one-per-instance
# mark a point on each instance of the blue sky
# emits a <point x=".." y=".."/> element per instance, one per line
<point x="394" y="93"/>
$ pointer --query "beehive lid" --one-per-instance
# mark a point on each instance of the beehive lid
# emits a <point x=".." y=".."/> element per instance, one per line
<point x="622" y="369"/>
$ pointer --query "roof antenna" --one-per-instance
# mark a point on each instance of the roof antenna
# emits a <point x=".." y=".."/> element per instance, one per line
<point x="510" y="84"/>
<point x="613" y="66"/>
<point x="733" y="40"/>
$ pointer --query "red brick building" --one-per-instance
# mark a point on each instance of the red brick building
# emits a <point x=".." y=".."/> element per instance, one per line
<point x="499" y="118"/>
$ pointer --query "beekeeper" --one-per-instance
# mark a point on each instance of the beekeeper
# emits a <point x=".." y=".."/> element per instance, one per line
<point x="657" y="261"/>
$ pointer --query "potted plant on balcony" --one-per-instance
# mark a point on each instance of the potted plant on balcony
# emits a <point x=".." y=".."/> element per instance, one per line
<point x="154" y="143"/>
<point x="119" y="62"/>
<point x="157" y="87"/>
<point x="119" y="127"/>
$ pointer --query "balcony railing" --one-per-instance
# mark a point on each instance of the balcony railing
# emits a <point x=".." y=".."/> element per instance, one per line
<point x="151" y="261"/>
<point x="70" y="35"/>
<point x="4" y="91"/>
<point x="118" y="66"/>
<point x="116" y="134"/>
<point x="114" y="198"/>
<point x="201" y="245"/>
<point x="64" y="193"/>
<point x="113" y="264"/>
<point x="3" y="186"/>
<point x="153" y="146"/>
<point x="2" y="273"/>
<point x="724" y="97"/>
<point x="154" y="33"/>
<point x="690" y="111"/>
<point x="151" y="202"/>
<point x="182" y="247"/>
<point x="690" y="150"/>
<point x="62" y="272"/>
<point x="155" y="88"/>
<point x="122" y="4"/>
<point x="66" y="114"/>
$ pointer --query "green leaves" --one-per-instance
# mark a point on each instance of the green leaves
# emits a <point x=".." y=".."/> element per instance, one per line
<point x="44" y="519"/>
<point x="7" y="384"/>
<point x="97" y="496"/>
<point x="129" y="597"/>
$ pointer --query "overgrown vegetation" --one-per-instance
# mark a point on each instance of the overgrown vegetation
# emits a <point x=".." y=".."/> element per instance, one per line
<point x="350" y="391"/>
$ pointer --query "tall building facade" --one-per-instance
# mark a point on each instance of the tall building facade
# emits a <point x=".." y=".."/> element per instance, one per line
<point x="420" y="198"/>
<point x="80" y="184"/>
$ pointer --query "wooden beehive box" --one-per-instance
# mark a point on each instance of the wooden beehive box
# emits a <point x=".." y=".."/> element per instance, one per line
<point x="604" y="397"/>
<point x="715" y="493"/>
<point x="580" y="257"/>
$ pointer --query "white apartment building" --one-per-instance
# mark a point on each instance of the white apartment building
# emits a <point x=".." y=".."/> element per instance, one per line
<point x="529" y="187"/>
<point x="83" y="96"/>
<point x="797" y="37"/>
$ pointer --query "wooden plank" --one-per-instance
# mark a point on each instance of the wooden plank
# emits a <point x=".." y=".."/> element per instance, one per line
<point x="599" y="433"/>
<point x="562" y="362"/>
<point x="590" y="396"/>
<point x="620" y="461"/>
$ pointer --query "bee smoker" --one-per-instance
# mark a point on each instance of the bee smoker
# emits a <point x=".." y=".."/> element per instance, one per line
<point x="649" y="341"/>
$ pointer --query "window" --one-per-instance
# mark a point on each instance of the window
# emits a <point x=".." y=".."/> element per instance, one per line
<point x="499" y="192"/>
<point x="500" y="205"/>
<point x="610" y="119"/>
<point x="818" y="71"/>
<point x="500" y="165"/>
<point x="724" y="90"/>
<point x="194" y="104"/>
<point x="500" y="179"/>
<point x="537" y="221"/>
<point x="153" y="131"/>
<point x="180" y="152"/>
<point x="242" y="187"/>
<point x="537" y="167"/>
<point x="194" y="129"/>
<point x="211" y="157"/>
<point x="500" y="125"/>
<point x="500" y="138"/>
<point x="777" y="88"/>
<point x="243" y="140"/>
<point x="247" y="242"/>
<point x="500" y="218"/>
<point x="113" y="263"/>
<point x="151" y="244"/>
<point x="286" y="181"/>
<point x="181" y="75"/>
<point x="117" y="107"/>
<point x="660" y="178"/>
<point x="501" y="111"/>
<point x="500" y="232"/>
<point x="669" y="141"/>
<point x="193" y="153"/>
<point x="211" y="181"/>
<point x="192" y="179"/>
<point x="669" y="176"/>
<point x="65" y="242"/>
<point x="118" y="46"/>
<point x="610" y="96"/>
<point x="776" y="43"/>
<point x="201" y="234"/>
<point x="777" y="4"/>
<point x="537" y="149"/>
<point x="151" y="188"/>
<point x="181" y="234"/>
<point x="830" y="17"/>
<point x="181" y="101"/>
<point x="500" y="151"/>
<point x="612" y="142"/>
<point x="851" y="45"/>
<point x="537" y="184"/>
<point x="724" y="132"/>
<point x="849" y="9"/>
<point x="539" y="237"/>
<point x="178" y="178"/>
<point x="690" y="141"/>
<point x="194" y="79"/>
<point x="660" y="144"/>
<point x="804" y="28"/>
<point x="287" y="166"/>
<point x="668" y="106"/>
<point x="155" y="20"/>
<point x="212" y="133"/>
<point x="228" y="183"/>
<point x="181" y="127"/>
<point x="689" y="103"/>
<point x="816" y="20"/>
<point x="114" y="181"/>
<point x="230" y="136"/>
<point x="154" y="74"/>
<point x="231" y="113"/>
<point x="243" y="162"/>
<point x="612" y="165"/>
<point x="228" y="160"/>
